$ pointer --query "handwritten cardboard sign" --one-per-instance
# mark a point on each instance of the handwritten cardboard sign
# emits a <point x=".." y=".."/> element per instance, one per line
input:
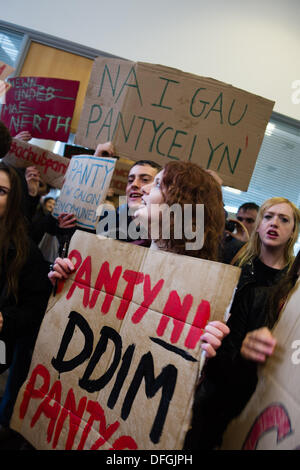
<point x="271" y="419"/>
<point x="42" y="106"/>
<point x="86" y="183"/>
<point x="5" y="70"/>
<point x="120" y="175"/>
<point x="51" y="166"/>
<point x="117" y="356"/>
<point x="158" y="113"/>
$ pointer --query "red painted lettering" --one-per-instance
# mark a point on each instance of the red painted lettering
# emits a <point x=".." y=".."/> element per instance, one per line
<point x="97" y="414"/>
<point x="82" y="280"/>
<point x="273" y="417"/>
<point x="50" y="411"/>
<point x="149" y="296"/>
<point x="31" y="392"/>
<point x="124" y="442"/>
<point x="110" y="284"/>
<point x="132" y="278"/>
<point x="75" y="416"/>
<point x="199" y="322"/>
<point x="176" y="310"/>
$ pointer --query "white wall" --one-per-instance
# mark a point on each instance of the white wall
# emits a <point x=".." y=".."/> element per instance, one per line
<point x="252" y="44"/>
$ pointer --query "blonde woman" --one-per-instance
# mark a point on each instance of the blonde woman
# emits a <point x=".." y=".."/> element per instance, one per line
<point x="231" y="377"/>
<point x="275" y="233"/>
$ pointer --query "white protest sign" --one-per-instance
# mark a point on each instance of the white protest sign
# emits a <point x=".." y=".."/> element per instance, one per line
<point x="86" y="183"/>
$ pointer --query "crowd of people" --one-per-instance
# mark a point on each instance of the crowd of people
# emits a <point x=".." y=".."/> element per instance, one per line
<point x="260" y="240"/>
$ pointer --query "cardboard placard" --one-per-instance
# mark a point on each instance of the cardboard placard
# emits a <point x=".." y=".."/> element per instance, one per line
<point x="51" y="166"/>
<point x="85" y="186"/>
<point x="120" y="175"/>
<point x="117" y="356"/>
<point x="5" y="70"/>
<point x="41" y="105"/>
<point x="159" y="113"/>
<point x="271" y="419"/>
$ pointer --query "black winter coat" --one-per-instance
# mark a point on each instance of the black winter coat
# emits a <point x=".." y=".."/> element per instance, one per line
<point x="230" y="380"/>
<point x="23" y="317"/>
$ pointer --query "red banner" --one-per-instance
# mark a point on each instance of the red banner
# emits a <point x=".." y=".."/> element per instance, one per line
<point x="42" y="106"/>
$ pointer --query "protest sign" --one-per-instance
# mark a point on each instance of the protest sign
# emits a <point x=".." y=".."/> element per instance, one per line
<point x="271" y="419"/>
<point x="86" y="183"/>
<point x="51" y="166"/>
<point x="5" y="70"/>
<point x="117" y="357"/>
<point x="120" y="175"/>
<point x="159" y="113"/>
<point x="42" y="106"/>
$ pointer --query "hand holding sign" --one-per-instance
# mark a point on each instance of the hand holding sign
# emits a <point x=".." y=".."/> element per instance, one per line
<point x="24" y="135"/>
<point x="62" y="269"/>
<point x="215" y="332"/>
<point x="66" y="220"/>
<point x="258" y="345"/>
<point x="32" y="176"/>
<point x="85" y="186"/>
<point x="104" y="150"/>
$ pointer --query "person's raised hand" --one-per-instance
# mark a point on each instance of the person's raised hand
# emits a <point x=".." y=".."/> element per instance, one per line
<point x="258" y="345"/>
<point x="32" y="176"/>
<point x="24" y="135"/>
<point x="61" y="269"/>
<point x="214" y="333"/>
<point x="66" y="220"/>
<point x="104" y="150"/>
<point x="240" y="232"/>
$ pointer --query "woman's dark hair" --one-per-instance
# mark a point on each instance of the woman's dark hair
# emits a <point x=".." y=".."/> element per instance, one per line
<point x="187" y="183"/>
<point x="5" y="140"/>
<point x="13" y="232"/>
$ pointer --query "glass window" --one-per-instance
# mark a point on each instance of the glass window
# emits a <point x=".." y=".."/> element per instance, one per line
<point x="277" y="169"/>
<point x="10" y="46"/>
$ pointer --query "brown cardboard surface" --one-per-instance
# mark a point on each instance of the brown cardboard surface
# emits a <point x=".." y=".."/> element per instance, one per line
<point x="271" y="419"/>
<point x="142" y="352"/>
<point x="120" y="175"/>
<point x="85" y="186"/>
<point x="154" y="112"/>
<point x="52" y="167"/>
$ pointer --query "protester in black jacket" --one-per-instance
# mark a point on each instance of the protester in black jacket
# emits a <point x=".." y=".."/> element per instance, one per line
<point x="230" y="378"/>
<point x="24" y="285"/>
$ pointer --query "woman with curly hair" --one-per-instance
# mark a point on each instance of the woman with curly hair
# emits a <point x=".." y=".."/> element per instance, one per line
<point x="185" y="187"/>
<point x="24" y="288"/>
<point x="179" y="183"/>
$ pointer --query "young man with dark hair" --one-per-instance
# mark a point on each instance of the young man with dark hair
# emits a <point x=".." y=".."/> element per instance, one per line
<point x="246" y="214"/>
<point x="141" y="173"/>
